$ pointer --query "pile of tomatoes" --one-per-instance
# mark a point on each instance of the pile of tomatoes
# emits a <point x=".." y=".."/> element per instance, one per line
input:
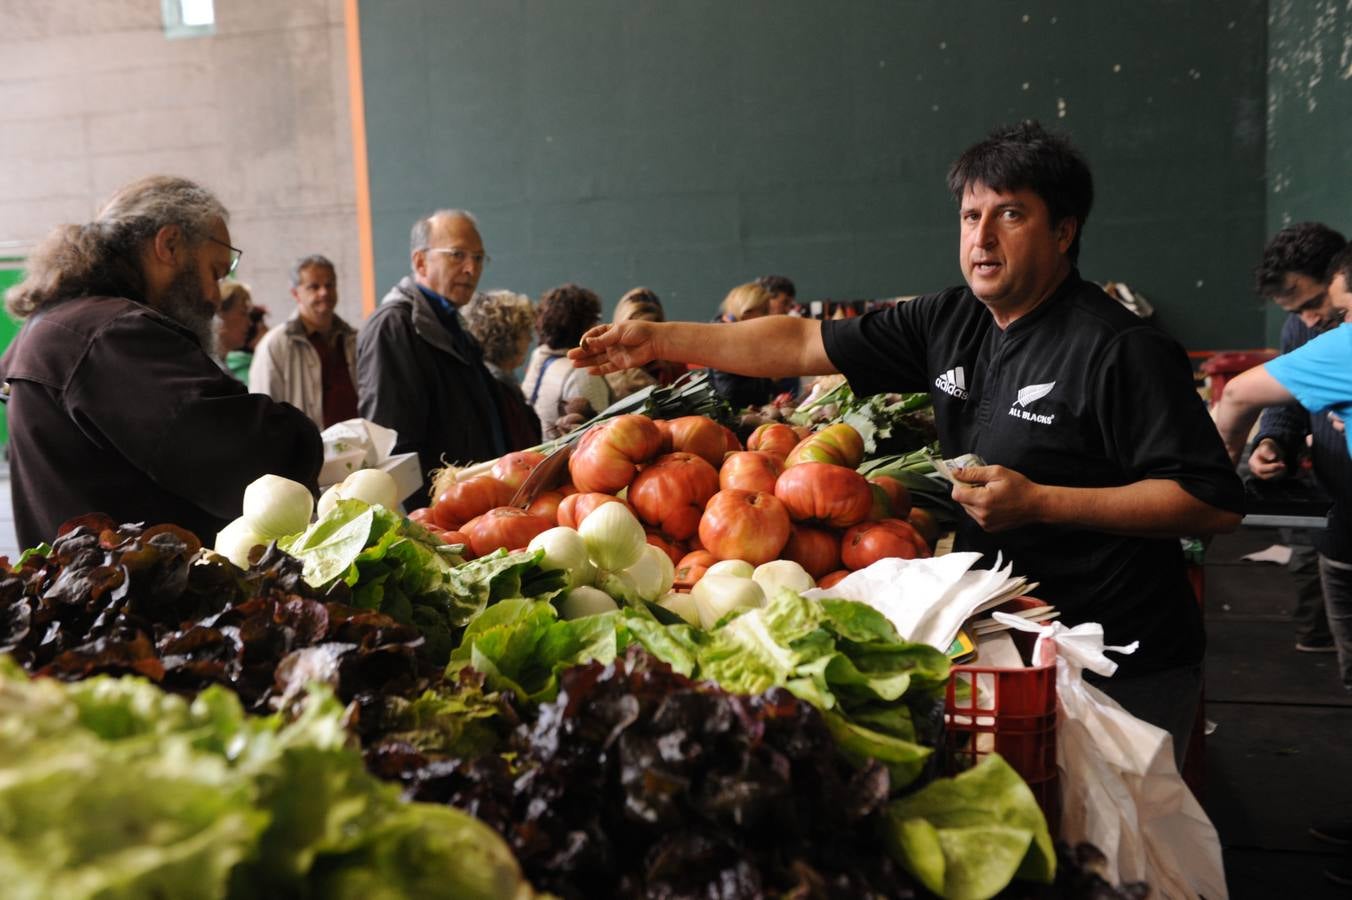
<point x="702" y="497"/>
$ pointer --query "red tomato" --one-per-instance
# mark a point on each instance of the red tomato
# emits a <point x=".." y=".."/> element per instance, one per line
<point x="513" y="468"/>
<point x="773" y="437"/>
<point x="815" y="549"/>
<point x="731" y="444"/>
<point x="670" y="493"/>
<point x="868" y="542"/>
<point x="691" y="568"/>
<point x="466" y="499"/>
<point x="922" y="520"/>
<point x="504" y="527"/>
<point x="898" y="495"/>
<point x="838" y="444"/>
<point x="423" y="516"/>
<point x="458" y="537"/>
<point x="701" y="436"/>
<point x="830" y="580"/>
<point x="607" y="458"/>
<point x="753" y="526"/>
<point x="576" y="507"/>
<point x="546" y="505"/>
<point x="821" y="492"/>
<point x="750" y="470"/>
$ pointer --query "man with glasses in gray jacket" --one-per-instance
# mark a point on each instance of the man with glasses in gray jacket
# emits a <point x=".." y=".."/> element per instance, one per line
<point x="419" y="370"/>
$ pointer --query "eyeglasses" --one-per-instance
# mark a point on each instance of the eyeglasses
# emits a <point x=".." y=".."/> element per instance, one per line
<point x="459" y="257"/>
<point x="235" y="254"/>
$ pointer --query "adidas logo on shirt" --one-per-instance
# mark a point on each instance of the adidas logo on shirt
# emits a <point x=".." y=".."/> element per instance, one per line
<point x="953" y="382"/>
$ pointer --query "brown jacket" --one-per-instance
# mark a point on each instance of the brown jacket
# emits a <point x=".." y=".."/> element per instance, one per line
<point x="115" y="408"/>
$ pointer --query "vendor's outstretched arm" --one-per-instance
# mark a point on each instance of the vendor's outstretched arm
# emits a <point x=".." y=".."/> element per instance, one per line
<point x="1243" y="400"/>
<point x="998" y="498"/>
<point x="768" y="347"/>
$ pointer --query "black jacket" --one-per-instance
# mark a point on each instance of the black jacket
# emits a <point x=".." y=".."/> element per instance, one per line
<point x="116" y="408"/>
<point x="414" y="377"/>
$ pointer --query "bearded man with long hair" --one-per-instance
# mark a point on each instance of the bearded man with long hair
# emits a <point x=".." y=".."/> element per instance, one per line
<point x="115" y="401"/>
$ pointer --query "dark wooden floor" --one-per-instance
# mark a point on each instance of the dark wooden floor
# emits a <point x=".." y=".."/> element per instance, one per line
<point x="1281" y="752"/>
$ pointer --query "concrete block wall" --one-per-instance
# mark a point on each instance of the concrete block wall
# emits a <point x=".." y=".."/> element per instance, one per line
<point x="92" y="95"/>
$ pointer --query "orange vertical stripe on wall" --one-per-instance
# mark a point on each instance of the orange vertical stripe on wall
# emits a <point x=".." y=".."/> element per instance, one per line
<point x="357" y="105"/>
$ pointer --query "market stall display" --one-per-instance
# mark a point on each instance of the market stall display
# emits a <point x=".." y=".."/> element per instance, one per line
<point x="638" y="740"/>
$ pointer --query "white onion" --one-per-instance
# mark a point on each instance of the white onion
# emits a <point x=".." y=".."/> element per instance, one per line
<point x="235" y="540"/>
<point x="736" y="567"/>
<point x="277" y="506"/>
<point x="327" y="501"/>
<point x="782" y="573"/>
<point x="374" y="486"/>
<point x="585" y="601"/>
<point x="717" y="595"/>
<point x="564" y="549"/>
<point x="682" y="605"/>
<point x="614" y="538"/>
<point x="653" y="573"/>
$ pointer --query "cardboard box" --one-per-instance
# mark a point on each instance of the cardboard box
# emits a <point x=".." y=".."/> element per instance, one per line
<point x="407" y="473"/>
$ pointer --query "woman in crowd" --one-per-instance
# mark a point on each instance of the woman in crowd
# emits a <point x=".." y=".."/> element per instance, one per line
<point x="502" y="321"/>
<point x="640" y="303"/>
<point x="237" y="330"/>
<point x="553" y="386"/>
<point x="746" y="301"/>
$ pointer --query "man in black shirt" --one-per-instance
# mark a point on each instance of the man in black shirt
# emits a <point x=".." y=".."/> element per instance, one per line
<point x="1101" y="453"/>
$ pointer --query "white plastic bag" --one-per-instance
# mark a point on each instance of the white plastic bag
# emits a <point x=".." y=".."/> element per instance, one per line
<point x="1120" y="789"/>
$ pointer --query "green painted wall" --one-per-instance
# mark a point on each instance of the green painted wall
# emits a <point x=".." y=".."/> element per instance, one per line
<point x="693" y="145"/>
<point x="1309" y="118"/>
<point x="10" y="274"/>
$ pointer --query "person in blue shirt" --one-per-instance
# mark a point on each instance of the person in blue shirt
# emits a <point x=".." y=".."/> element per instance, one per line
<point x="1318" y="376"/>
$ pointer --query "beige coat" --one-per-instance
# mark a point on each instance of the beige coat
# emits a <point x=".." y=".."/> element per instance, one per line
<point x="287" y="368"/>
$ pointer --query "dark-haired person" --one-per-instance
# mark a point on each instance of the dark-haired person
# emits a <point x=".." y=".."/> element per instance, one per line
<point x="1318" y="376"/>
<point x="419" y="371"/>
<point x="1100" y="453"/>
<point x="1294" y="274"/>
<point x="310" y="360"/>
<point x="552" y="386"/>
<point x="115" y="402"/>
<point x="782" y="293"/>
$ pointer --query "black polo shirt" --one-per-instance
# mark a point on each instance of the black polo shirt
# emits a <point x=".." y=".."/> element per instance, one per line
<point x="1081" y="393"/>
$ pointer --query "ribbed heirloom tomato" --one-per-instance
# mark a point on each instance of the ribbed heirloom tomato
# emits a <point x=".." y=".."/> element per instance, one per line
<point x="504" y="527"/>
<point x="820" y="492"/>
<point x="701" y="436"/>
<point x="691" y="568"/>
<point x="608" y="456"/>
<point x="513" y="468"/>
<point x="466" y="499"/>
<point x="546" y="505"/>
<point x="839" y="444"/>
<point x="671" y="492"/>
<point x="750" y="470"/>
<point x="753" y="526"/>
<point x="868" y="542"/>
<point x="773" y="437"/>
<point x="898" y="495"/>
<point x="815" y="549"/>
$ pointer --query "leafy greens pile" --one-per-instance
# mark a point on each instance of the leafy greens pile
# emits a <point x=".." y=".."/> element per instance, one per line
<point x="881" y="696"/>
<point x="114" y="788"/>
<point x="392" y="564"/>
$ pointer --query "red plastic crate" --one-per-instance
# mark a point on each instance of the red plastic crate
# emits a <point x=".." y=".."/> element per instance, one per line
<point x="1014" y="715"/>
